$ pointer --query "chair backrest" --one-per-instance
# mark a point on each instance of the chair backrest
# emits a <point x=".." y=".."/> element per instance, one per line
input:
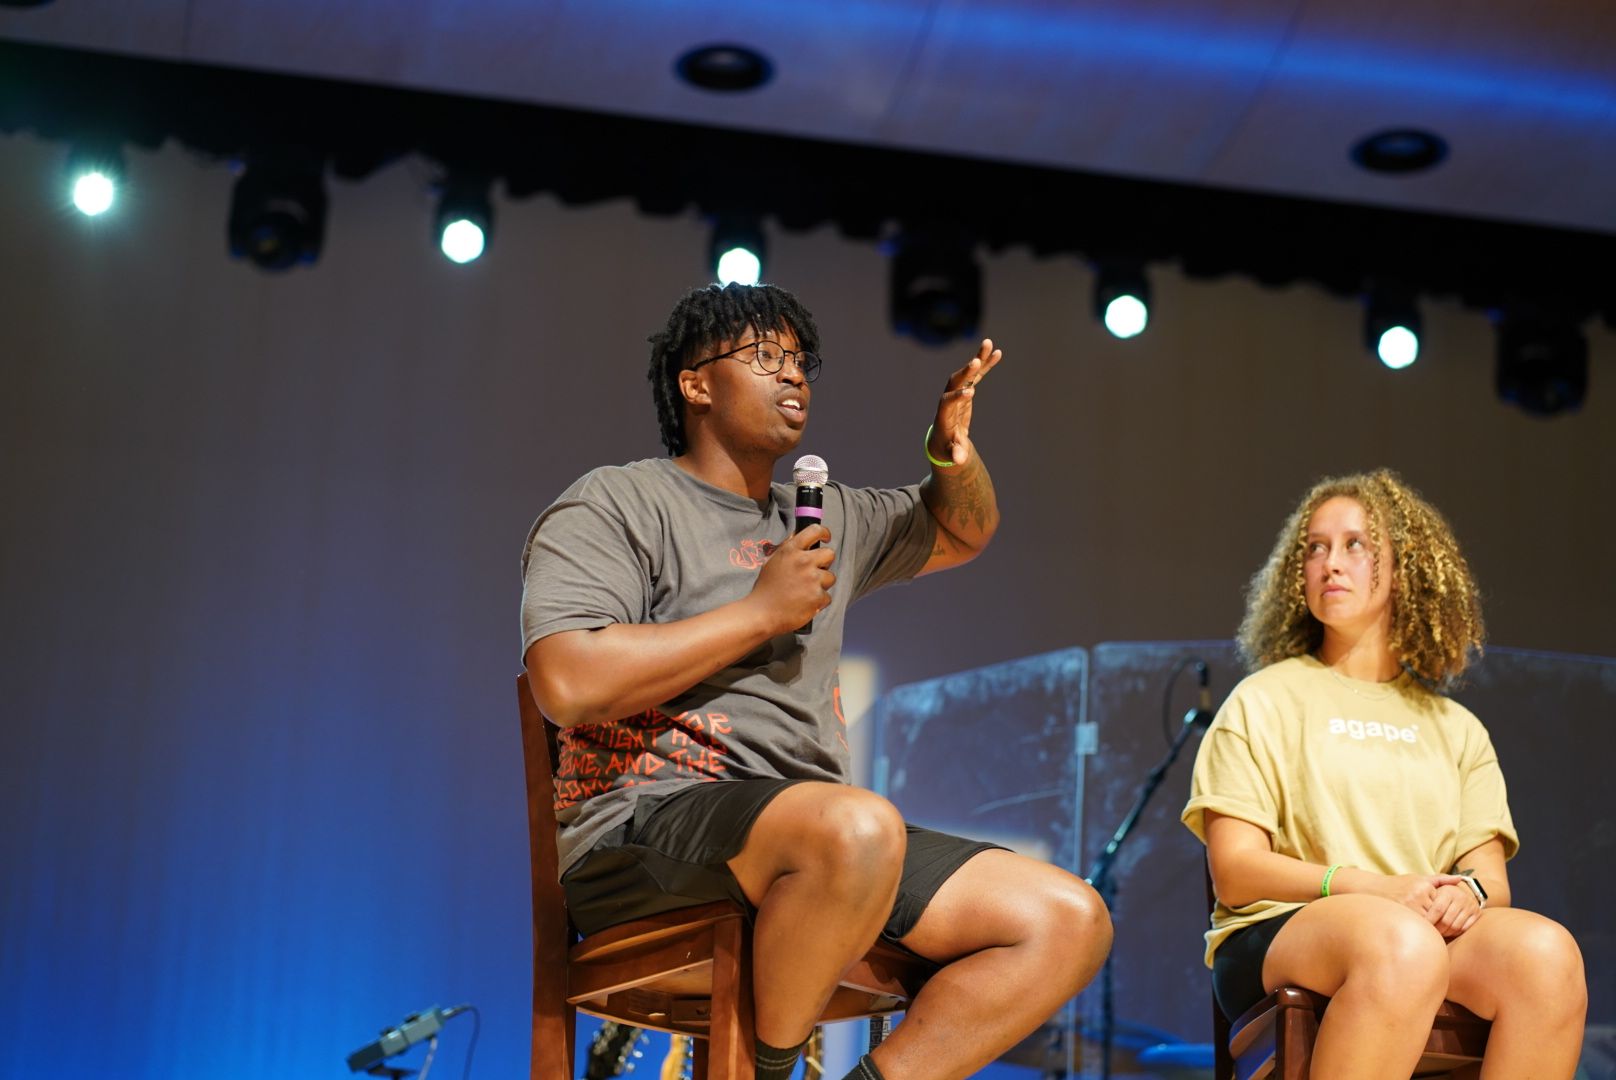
<point x="552" y="931"/>
<point x="539" y="757"/>
<point x="1222" y="1060"/>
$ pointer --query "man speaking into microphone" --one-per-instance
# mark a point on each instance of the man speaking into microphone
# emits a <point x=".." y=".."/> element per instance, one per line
<point x="684" y="634"/>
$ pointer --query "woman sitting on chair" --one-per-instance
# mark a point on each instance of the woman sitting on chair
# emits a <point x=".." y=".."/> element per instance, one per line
<point x="1355" y="817"/>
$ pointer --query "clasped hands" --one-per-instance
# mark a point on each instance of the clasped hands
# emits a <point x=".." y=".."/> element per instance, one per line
<point x="1444" y="900"/>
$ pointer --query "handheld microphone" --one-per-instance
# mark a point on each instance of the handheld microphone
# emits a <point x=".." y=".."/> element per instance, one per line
<point x="415" y="1028"/>
<point x="810" y="474"/>
<point x="1201" y="715"/>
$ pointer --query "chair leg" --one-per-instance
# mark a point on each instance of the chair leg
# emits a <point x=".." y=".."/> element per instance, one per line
<point x="732" y="1038"/>
<point x="1293" y="1044"/>
<point x="700" y="1062"/>
<point x="554" y="1028"/>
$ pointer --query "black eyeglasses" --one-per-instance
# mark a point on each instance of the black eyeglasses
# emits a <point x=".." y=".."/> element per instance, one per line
<point x="768" y="358"/>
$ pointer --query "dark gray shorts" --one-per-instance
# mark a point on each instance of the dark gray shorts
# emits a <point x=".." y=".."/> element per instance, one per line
<point x="1237" y="965"/>
<point x="674" y="854"/>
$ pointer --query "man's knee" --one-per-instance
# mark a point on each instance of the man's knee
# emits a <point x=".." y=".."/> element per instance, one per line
<point x="854" y="833"/>
<point x="848" y="842"/>
<point x="1061" y="926"/>
<point x="1081" y="908"/>
<point x="1056" y="914"/>
<point x="1074" y="917"/>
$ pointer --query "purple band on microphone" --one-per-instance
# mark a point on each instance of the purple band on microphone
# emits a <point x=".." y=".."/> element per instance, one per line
<point x="811" y="512"/>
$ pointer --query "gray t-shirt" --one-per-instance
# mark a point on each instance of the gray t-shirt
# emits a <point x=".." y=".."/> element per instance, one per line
<point x="649" y="543"/>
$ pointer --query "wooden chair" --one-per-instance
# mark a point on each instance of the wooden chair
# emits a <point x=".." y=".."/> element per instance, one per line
<point x="686" y="972"/>
<point x="1274" y="1038"/>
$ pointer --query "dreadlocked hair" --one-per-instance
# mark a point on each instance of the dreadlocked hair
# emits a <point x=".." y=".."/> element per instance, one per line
<point x="705" y="318"/>
<point x="1436" y="629"/>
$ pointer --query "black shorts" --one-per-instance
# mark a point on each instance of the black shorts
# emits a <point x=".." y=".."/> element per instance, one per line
<point x="673" y="854"/>
<point x="1237" y="965"/>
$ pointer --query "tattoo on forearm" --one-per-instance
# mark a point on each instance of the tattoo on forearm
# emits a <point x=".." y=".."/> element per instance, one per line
<point x="968" y="500"/>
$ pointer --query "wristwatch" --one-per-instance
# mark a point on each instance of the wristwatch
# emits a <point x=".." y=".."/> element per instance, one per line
<point x="1475" y="886"/>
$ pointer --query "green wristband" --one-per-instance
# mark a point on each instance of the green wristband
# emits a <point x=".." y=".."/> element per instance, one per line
<point x="926" y="446"/>
<point x="1324" y="887"/>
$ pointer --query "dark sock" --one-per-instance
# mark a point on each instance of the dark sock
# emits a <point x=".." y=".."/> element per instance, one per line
<point x="774" y="1063"/>
<point x="865" y="1070"/>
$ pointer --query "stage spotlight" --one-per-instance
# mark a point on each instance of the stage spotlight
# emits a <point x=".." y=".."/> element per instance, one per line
<point x="1542" y="361"/>
<point x="1122" y="300"/>
<point x="1398" y="347"/>
<point x="936" y="292"/>
<point x="93" y="193"/>
<point x="277" y="211"/>
<point x="741" y="265"/>
<point x="465" y="219"/>
<point x="94" y="174"/>
<point x="462" y="240"/>
<point x="1392" y="328"/>
<point x="737" y="249"/>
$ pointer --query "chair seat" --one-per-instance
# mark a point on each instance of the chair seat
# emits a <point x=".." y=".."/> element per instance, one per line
<point x="657" y="972"/>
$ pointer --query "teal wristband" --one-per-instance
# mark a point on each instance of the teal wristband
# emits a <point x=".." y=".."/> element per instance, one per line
<point x="1324" y="887"/>
<point x="926" y="446"/>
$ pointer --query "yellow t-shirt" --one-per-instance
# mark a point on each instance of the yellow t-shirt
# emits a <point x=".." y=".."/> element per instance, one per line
<point x="1381" y="776"/>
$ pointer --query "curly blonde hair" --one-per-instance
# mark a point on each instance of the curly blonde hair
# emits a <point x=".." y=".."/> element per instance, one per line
<point x="1436" y="629"/>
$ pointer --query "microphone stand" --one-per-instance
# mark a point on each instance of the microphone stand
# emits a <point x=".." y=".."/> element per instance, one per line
<point x="1100" y="878"/>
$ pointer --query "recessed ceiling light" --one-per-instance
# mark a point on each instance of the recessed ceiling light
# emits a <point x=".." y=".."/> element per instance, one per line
<point x="1399" y="151"/>
<point x="725" y="68"/>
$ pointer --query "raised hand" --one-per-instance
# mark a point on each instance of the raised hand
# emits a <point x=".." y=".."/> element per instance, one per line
<point x="951" y="431"/>
<point x="795" y="581"/>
